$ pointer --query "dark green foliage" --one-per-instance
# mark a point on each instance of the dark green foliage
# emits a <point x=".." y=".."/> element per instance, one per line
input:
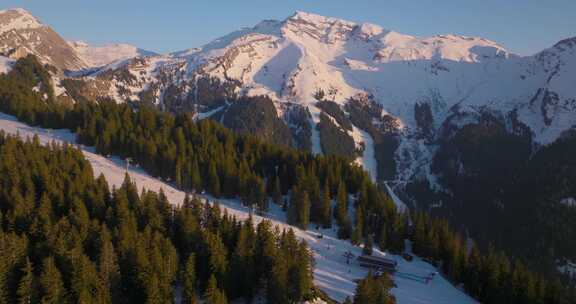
<point x="334" y="140"/>
<point x="51" y="285"/>
<point x="367" y="115"/>
<point x="27" y="292"/>
<point x="494" y="174"/>
<point x="189" y="280"/>
<point x="333" y="109"/>
<point x="490" y="278"/>
<point x="210" y="92"/>
<point x="374" y="290"/>
<point x="204" y="156"/>
<point x="257" y="116"/>
<point x="368" y="245"/>
<point x="66" y="238"/>
<point x="299" y="209"/>
<point x="213" y="294"/>
<point x="298" y="119"/>
<point x="27" y="93"/>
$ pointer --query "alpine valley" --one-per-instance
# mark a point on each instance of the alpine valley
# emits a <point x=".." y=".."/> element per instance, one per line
<point x="454" y="126"/>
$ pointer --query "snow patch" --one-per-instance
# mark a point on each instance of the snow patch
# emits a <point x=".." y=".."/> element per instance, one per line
<point x="6" y="64"/>
<point x="102" y="55"/>
<point x="568" y="201"/>
<point x="368" y="159"/>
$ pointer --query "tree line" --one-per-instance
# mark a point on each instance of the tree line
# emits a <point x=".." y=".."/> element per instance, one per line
<point x="204" y="156"/>
<point x="490" y="277"/>
<point x="65" y="237"/>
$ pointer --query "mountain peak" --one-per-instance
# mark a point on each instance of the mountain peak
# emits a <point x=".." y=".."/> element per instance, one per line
<point x="316" y="19"/>
<point x="17" y="10"/>
<point x="17" y="19"/>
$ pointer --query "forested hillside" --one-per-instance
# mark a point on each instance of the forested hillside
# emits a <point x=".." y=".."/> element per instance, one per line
<point x="204" y="156"/>
<point x="65" y="237"/>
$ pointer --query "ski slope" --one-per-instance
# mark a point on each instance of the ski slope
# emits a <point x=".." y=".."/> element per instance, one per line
<point x="331" y="273"/>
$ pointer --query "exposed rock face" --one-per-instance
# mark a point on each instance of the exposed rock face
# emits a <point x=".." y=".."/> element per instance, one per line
<point x="22" y="34"/>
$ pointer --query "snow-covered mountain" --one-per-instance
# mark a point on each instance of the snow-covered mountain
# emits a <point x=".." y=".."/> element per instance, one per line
<point x="22" y="34"/>
<point x="105" y="54"/>
<point x="428" y="85"/>
<point x="416" y="90"/>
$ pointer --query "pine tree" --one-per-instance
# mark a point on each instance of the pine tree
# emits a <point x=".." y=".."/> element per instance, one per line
<point x="179" y="174"/>
<point x="108" y="268"/>
<point x="195" y="177"/>
<point x="299" y="209"/>
<point x="276" y="191"/>
<point x="189" y="281"/>
<point x="383" y="238"/>
<point x="357" y="234"/>
<point x="345" y="229"/>
<point x="341" y="211"/>
<point x="27" y="292"/>
<point x="213" y="180"/>
<point x="85" y="283"/>
<point x="242" y="263"/>
<point x="212" y="294"/>
<point x="326" y="208"/>
<point x="372" y="290"/>
<point x="368" y="244"/>
<point x="51" y="286"/>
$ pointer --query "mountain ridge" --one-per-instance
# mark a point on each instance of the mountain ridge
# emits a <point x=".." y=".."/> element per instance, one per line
<point x="424" y="84"/>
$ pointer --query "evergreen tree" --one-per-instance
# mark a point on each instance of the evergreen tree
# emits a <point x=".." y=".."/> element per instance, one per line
<point x="189" y="281"/>
<point x="242" y="264"/>
<point x="108" y="268"/>
<point x="341" y="211"/>
<point x="374" y="290"/>
<point x="195" y="177"/>
<point x="213" y="295"/>
<point x="51" y="286"/>
<point x="213" y="180"/>
<point x="299" y="209"/>
<point x="357" y="234"/>
<point x="326" y="208"/>
<point x="368" y="244"/>
<point x="383" y="238"/>
<point x="27" y="292"/>
<point x="276" y="191"/>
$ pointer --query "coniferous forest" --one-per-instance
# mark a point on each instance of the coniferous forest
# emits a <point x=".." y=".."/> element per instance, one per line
<point x="65" y="237"/>
<point x="65" y="228"/>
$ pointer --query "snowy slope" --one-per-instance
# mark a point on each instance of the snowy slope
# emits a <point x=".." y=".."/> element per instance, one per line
<point x="17" y="19"/>
<point x="293" y="58"/>
<point x="455" y="76"/>
<point x="21" y="34"/>
<point x="331" y="273"/>
<point x="97" y="56"/>
<point x="5" y="64"/>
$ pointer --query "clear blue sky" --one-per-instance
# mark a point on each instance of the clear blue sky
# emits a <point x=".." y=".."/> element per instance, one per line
<point x="522" y="26"/>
